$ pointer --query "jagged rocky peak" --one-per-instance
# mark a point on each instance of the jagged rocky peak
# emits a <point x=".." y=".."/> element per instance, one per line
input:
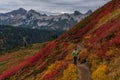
<point x="21" y="11"/>
<point x="31" y="11"/>
<point x="77" y="13"/>
<point x="89" y="11"/>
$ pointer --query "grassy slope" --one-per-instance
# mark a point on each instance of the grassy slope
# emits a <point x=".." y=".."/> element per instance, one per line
<point x="13" y="58"/>
<point x="99" y="33"/>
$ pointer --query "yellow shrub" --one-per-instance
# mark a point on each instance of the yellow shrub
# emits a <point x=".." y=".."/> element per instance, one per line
<point x="52" y="67"/>
<point x="100" y="73"/>
<point x="70" y="73"/>
<point x="94" y="60"/>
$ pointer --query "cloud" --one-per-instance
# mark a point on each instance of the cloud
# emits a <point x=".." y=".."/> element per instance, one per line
<point x="54" y="6"/>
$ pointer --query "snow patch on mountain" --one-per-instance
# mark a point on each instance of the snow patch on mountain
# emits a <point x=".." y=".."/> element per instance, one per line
<point x="33" y="19"/>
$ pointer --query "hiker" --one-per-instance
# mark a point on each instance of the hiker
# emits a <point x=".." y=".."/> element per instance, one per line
<point x="75" y="54"/>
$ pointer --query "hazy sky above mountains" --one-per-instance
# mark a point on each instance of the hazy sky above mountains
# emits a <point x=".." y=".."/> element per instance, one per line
<point x="52" y="6"/>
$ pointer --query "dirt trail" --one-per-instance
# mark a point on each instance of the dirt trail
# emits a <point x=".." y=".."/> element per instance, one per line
<point x="83" y="72"/>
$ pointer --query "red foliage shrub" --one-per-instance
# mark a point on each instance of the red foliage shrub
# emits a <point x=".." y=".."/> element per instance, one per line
<point x="113" y="42"/>
<point x="64" y="46"/>
<point x="107" y="9"/>
<point x="105" y="30"/>
<point x="93" y="40"/>
<point x="83" y="31"/>
<point x="116" y="3"/>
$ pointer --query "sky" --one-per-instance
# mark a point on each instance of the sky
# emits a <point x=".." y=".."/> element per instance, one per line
<point x="51" y="6"/>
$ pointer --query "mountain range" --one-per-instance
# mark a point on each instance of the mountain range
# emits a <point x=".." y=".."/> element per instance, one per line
<point x="33" y="19"/>
<point x="97" y="38"/>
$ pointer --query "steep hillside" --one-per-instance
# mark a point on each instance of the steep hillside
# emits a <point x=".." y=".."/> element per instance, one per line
<point x="98" y="38"/>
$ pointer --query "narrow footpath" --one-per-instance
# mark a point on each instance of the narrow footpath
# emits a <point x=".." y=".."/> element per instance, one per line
<point x="83" y="72"/>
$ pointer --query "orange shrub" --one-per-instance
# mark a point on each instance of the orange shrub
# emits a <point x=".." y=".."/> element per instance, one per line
<point x="53" y="70"/>
<point x="70" y="73"/>
<point x="100" y="73"/>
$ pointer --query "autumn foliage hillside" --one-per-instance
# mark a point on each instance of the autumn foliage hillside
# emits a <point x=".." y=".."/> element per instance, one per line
<point x="99" y="33"/>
